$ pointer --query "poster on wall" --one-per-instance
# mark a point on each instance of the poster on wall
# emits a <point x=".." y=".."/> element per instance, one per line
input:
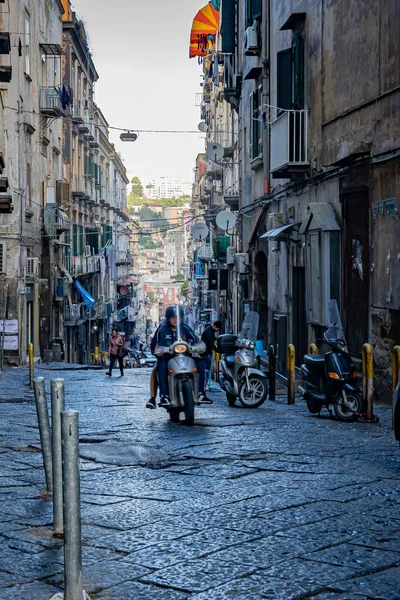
<point x="11" y="342"/>
<point x="11" y="326"/>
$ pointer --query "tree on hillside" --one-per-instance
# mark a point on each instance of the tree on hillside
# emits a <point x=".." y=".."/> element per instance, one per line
<point x="137" y="188"/>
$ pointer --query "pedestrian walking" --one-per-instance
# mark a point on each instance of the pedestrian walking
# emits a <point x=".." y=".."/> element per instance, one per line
<point x="115" y="352"/>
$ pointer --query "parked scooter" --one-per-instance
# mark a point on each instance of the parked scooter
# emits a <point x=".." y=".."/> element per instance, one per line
<point x="332" y="379"/>
<point x="240" y="376"/>
<point x="183" y="378"/>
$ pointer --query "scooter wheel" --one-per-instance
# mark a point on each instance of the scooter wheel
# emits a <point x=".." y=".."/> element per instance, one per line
<point x="231" y="399"/>
<point x="254" y="395"/>
<point x="313" y="406"/>
<point x="354" y="401"/>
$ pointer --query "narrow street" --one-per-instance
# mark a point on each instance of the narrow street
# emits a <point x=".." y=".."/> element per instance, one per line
<point x="272" y="503"/>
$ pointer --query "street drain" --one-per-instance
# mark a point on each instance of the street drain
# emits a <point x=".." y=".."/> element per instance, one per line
<point x="92" y="440"/>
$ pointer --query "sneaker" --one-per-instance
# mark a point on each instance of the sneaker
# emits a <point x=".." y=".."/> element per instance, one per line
<point x="151" y="403"/>
<point x="202" y="399"/>
<point x="165" y="401"/>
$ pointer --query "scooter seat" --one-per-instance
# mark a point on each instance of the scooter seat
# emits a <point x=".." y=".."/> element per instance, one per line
<point x="314" y="361"/>
<point x="230" y="360"/>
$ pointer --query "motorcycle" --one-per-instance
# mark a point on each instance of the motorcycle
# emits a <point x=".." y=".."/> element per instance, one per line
<point x="331" y="379"/>
<point x="138" y="361"/>
<point x="240" y="376"/>
<point x="183" y="378"/>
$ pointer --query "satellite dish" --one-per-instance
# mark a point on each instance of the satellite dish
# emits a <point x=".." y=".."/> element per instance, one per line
<point x="215" y="152"/>
<point x="226" y="220"/>
<point x="200" y="231"/>
<point x="202" y="126"/>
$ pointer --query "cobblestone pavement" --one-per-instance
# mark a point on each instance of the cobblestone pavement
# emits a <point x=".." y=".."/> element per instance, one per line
<point x="267" y="503"/>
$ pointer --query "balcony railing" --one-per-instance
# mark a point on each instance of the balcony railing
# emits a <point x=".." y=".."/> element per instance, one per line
<point x="50" y="103"/>
<point x="72" y="313"/>
<point x="78" y="187"/>
<point x="77" y="111"/>
<point x="122" y="257"/>
<point x="83" y="265"/>
<point x="205" y="251"/>
<point x="289" y="143"/>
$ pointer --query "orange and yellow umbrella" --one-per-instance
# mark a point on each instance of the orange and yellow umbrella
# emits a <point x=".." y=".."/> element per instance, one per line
<point x="205" y="24"/>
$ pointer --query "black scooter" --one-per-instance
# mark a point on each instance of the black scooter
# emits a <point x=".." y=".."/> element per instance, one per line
<point x="332" y="378"/>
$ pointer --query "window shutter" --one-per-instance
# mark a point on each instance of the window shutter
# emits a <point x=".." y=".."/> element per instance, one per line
<point x="228" y="26"/>
<point x="81" y="239"/>
<point x="298" y="99"/>
<point x="284" y="76"/>
<point x="3" y="253"/>
<point x="75" y="239"/>
<point x="255" y="9"/>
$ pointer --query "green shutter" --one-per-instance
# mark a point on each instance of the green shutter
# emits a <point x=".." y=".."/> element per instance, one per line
<point x="255" y="9"/>
<point x="82" y="241"/>
<point x="228" y="26"/>
<point x="298" y="95"/>
<point x="284" y="77"/>
<point x="75" y="239"/>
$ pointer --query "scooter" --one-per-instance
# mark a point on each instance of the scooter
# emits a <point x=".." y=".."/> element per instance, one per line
<point x="332" y="379"/>
<point x="239" y="375"/>
<point x="183" y="378"/>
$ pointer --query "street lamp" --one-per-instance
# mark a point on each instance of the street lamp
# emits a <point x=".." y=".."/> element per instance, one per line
<point x="128" y="136"/>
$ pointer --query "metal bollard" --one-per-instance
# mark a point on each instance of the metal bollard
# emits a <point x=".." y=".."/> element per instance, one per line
<point x="31" y="365"/>
<point x="395" y="367"/>
<point x="291" y="358"/>
<point x="44" y="429"/>
<point x="368" y="380"/>
<point x="72" y="508"/>
<point x="57" y="406"/>
<point x="272" y="373"/>
<point x="313" y="349"/>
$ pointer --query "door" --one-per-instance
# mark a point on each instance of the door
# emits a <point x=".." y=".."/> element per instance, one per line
<point x="356" y="269"/>
<point x="299" y="313"/>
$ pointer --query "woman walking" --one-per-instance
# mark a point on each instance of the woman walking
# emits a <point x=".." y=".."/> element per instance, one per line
<point x="115" y="352"/>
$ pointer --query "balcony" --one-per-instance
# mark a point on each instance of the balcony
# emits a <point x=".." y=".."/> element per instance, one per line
<point x="205" y="252"/>
<point x="79" y="187"/>
<point x="72" y="314"/>
<point x="93" y="136"/>
<point x="78" y="112"/>
<point x="122" y="257"/>
<point x="289" y="144"/>
<point x="50" y="103"/>
<point x="83" y="265"/>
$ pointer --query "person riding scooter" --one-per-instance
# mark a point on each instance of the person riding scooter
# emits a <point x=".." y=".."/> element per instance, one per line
<point x="168" y="335"/>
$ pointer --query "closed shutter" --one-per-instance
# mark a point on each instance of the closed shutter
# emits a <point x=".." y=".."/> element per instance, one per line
<point x="82" y="240"/>
<point x="255" y="9"/>
<point x="3" y="251"/>
<point x="284" y="77"/>
<point x="75" y="239"/>
<point x="228" y="26"/>
<point x="298" y="95"/>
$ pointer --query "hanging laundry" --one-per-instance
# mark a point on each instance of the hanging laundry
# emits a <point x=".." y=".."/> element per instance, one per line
<point x="70" y="95"/>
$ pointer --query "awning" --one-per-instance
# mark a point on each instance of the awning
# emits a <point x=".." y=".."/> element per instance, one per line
<point x="87" y="298"/>
<point x="275" y="234"/>
<point x="204" y="28"/>
<point x="320" y="217"/>
<point x="51" y="49"/>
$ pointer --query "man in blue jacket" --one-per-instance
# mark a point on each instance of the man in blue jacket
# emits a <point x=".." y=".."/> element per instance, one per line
<point x="166" y="336"/>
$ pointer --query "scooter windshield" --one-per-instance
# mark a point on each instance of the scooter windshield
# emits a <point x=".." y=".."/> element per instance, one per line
<point x="249" y="329"/>
<point x="335" y="331"/>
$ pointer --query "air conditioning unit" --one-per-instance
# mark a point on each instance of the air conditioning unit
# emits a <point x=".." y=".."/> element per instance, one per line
<point x="32" y="267"/>
<point x="230" y="255"/>
<point x="242" y="262"/>
<point x="251" y="40"/>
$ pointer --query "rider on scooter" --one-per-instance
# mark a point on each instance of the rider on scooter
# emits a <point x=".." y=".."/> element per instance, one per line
<point x="167" y="335"/>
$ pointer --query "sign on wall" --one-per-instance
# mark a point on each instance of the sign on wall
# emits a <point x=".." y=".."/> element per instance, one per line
<point x="11" y="326"/>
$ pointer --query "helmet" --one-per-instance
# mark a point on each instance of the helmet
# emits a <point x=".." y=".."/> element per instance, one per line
<point x="172" y="312"/>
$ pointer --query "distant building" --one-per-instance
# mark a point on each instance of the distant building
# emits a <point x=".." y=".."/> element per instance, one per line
<point x="167" y="187"/>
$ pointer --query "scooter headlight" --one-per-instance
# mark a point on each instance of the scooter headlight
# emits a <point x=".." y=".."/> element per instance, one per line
<point x="251" y="345"/>
<point x="180" y="349"/>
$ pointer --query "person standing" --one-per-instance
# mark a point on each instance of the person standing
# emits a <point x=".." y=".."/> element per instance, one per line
<point x="115" y="352"/>
<point x="209" y="337"/>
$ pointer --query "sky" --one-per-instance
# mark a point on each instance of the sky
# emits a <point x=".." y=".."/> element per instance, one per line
<point x="146" y="81"/>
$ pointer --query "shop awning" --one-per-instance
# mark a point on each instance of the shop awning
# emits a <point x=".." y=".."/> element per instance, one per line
<point x="320" y="217"/>
<point x="204" y="28"/>
<point x="275" y="234"/>
<point x="87" y="298"/>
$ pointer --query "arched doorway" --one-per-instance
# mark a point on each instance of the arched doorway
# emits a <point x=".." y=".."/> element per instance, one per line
<point x="261" y="294"/>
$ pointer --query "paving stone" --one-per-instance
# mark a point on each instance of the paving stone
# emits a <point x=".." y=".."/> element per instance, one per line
<point x="30" y="591"/>
<point x="198" y="575"/>
<point x="380" y="586"/>
<point x="311" y="573"/>
<point x="131" y="590"/>
<point x="361" y="558"/>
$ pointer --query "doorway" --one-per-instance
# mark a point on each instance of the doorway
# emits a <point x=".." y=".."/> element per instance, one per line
<point x="356" y="268"/>
<point x="299" y="315"/>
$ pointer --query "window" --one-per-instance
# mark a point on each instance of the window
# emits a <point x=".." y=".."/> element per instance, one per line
<point x="27" y="44"/>
<point x="290" y="75"/>
<point x="3" y="256"/>
<point x="256" y="126"/>
<point x="29" y="184"/>
<point x="253" y="11"/>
